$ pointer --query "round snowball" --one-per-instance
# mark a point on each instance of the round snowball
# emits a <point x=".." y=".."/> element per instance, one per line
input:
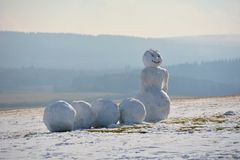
<point x="84" y="115"/>
<point x="132" y="111"/>
<point x="107" y="113"/>
<point x="59" y="116"/>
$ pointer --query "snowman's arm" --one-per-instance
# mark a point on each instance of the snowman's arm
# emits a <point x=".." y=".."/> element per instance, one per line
<point x="165" y="81"/>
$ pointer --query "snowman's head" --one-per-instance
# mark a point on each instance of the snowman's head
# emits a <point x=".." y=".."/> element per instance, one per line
<point x="152" y="58"/>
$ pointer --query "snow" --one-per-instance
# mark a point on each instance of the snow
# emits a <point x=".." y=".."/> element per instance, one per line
<point x="84" y="115"/>
<point x="132" y="111"/>
<point x="107" y="112"/>
<point x="59" y="116"/>
<point x="154" y="86"/>
<point x="23" y="135"/>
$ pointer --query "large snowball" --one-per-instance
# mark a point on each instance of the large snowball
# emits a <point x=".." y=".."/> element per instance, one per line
<point x="59" y="116"/>
<point x="107" y="113"/>
<point x="157" y="105"/>
<point x="132" y="111"/>
<point x="84" y="115"/>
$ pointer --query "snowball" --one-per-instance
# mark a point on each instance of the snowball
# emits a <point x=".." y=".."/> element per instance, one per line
<point x="107" y="113"/>
<point x="59" y="116"/>
<point x="132" y="111"/>
<point x="84" y="115"/>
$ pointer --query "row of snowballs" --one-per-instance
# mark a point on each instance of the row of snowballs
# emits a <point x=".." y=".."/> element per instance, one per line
<point x="61" y="116"/>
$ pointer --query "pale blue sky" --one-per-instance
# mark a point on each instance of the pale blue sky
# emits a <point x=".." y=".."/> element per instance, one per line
<point x="145" y="18"/>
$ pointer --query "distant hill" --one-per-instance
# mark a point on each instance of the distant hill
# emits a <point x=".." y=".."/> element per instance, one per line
<point x="215" y="78"/>
<point x="225" y="71"/>
<point x="106" y="52"/>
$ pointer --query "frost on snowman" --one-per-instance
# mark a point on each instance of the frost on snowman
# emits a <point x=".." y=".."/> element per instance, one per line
<point x="154" y="86"/>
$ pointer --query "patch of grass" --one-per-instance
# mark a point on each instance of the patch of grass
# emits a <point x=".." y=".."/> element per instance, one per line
<point x="196" y="120"/>
<point x="237" y="126"/>
<point x="190" y="128"/>
<point x="220" y="128"/>
<point x="199" y="120"/>
<point x="176" y="121"/>
<point x="217" y="119"/>
<point x="122" y="129"/>
<point x="193" y="124"/>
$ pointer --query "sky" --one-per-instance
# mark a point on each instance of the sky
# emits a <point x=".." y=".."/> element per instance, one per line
<point x="142" y="18"/>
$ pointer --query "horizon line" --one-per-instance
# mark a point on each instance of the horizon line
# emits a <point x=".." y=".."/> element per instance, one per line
<point x="133" y="36"/>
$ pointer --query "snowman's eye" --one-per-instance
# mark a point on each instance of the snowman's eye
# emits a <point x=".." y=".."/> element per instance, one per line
<point x="152" y="55"/>
<point x="158" y="56"/>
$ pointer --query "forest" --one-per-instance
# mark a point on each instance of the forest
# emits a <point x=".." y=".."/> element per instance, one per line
<point x="216" y="78"/>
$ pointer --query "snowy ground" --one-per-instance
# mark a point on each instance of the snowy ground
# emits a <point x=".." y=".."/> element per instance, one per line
<point x="196" y="129"/>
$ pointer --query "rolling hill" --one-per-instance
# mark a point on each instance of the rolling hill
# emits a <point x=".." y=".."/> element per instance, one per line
<point x="107" y="52"/>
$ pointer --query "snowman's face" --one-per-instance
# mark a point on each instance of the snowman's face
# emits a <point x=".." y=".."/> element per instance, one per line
<point x="152" y="58"/>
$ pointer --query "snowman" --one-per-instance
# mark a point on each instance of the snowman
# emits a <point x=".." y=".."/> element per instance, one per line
<point x="154" y="86"/>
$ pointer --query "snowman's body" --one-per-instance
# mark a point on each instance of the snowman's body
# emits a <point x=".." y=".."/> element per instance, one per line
<point x="154" y="86"/>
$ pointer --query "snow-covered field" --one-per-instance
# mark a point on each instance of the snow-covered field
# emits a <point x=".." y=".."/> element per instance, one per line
<point x="196" y="129"/>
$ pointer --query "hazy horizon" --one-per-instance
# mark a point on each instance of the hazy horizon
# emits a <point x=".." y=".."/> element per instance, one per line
<point x="108" y="52"/>
<point x="123" y="35"/>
